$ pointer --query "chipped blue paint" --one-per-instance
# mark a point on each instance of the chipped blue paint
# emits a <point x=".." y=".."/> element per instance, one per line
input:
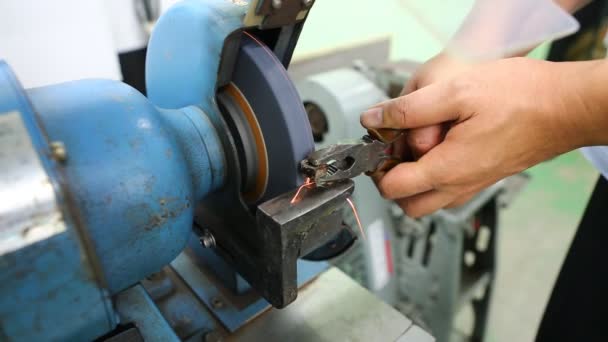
<point x="48" y="290"/>
<point x="137" y="172"/>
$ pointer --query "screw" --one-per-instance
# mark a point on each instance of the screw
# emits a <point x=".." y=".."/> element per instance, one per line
<point x="307" y="3"/>
<point x="217" y="303"/>
<point x="58" y="151"/>
<point x="207" y="239"/>
<point x="276" y="4"/>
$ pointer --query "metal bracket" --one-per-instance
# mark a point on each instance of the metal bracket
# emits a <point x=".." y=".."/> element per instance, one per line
<point x="278" y="13"/>
<point x="291" y="231"/>
<point x="265" y="249"/>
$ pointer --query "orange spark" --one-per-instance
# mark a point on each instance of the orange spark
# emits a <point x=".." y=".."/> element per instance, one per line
<point x="306" y="184"/>
<point x="352" y="205"/>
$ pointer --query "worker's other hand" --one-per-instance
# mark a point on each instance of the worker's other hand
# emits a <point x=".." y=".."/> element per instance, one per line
<point x="441" y="67"/>
<point x="503" y="117"/>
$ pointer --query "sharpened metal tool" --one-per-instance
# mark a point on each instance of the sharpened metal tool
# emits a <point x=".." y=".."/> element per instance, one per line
<point x="347" y="160"/>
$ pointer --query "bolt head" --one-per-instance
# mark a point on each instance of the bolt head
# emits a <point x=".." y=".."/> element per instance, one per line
<point x="276" y="4"/>
<point x="207" y="239"/>
<point x="58" y="151"/>
<point x="217" y="303"/>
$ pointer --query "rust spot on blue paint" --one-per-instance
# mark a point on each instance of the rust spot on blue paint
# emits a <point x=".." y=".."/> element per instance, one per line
<point x="146" y="218"/>
<point x="149" y="184"/>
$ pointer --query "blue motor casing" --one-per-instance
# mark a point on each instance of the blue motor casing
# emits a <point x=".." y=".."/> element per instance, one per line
<point x="130" y="180"/>
<point x="128" y="169"/>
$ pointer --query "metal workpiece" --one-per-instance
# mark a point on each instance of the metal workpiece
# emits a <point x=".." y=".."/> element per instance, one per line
<point x="344" y="160"/>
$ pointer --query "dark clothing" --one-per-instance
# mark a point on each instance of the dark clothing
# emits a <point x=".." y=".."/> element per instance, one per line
<point x="578" y="307"/>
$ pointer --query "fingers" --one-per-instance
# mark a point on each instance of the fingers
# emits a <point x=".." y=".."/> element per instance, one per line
<point x="401" y="150"/>
<point x="404" y="180"/>
<point x="422" y="140"/>
<point x="428" y="106"/>
<point x="425" y="203"/>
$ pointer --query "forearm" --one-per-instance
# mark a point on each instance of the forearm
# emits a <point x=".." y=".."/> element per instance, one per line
<point x="585" y="102"/>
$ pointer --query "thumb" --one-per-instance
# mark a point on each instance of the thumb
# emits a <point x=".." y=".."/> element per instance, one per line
<point x="427" y="106"/>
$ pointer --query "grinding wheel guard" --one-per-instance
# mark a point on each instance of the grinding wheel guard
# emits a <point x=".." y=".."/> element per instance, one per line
<point x="294" y="230"/>
<point x="186" y="64"/>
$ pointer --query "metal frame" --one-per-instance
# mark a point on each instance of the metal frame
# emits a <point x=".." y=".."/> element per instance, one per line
<point x="446" y="261"/>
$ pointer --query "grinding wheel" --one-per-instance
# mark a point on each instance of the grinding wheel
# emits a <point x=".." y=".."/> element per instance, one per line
<point x="266" y="135"/>
<point x="268" y="122"/>
<point x="255" y="170"/>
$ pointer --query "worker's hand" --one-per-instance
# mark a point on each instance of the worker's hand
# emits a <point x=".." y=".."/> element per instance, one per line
<point x="503" y="116"/>
<point x="441" y="67"/>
